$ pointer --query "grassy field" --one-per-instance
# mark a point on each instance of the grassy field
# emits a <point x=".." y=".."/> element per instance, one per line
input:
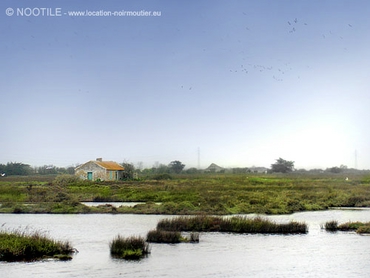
<point x="187" y="194"/>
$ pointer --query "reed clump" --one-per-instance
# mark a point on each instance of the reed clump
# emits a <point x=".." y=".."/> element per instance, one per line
<point x="130" y="248"/>
<point x="365" y="229"/>
<point x="358" y="227"/>
<point x="350" y="226"/>
<point x="27" y="245"/>
<point x="162" y="236"/>
<point x="230" y="225"/>
<point x="331" y="226"/>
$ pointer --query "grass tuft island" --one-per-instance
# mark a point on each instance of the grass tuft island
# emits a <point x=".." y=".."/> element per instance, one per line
<point x="358" y="227"/>
<point x="236" y="224"/>
<point x="129" y="248"/>
<point x="30" y="246"/>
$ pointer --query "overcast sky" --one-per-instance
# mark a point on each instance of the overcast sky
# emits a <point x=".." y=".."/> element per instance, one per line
<point x="236" y="83"/>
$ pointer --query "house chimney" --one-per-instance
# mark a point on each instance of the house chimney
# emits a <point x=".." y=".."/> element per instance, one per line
<point x="99" y="159"/>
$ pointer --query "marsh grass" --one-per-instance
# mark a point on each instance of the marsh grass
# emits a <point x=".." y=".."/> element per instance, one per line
<point x="213" y="194"/>
<point x="350" y="226"/>
<point x="131" y="248"/>
<point x="26" y="245"/>
<point x="331" y="226"/>
<point x="230" y="225"/>
<point x="365" y="229"/>
<point x="161" y="236"/>
<point x="358" y="227"/>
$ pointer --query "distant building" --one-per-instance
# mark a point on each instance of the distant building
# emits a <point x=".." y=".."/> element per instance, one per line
<point x="100" y="170"/>
<point x="213" y="168"/>
<point x="254" y="169"/>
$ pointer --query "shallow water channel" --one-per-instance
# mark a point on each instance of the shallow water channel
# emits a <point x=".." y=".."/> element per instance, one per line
<point x="315" y="254"/>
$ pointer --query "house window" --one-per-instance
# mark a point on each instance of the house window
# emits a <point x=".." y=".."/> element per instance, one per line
<point x="89" y="176"/>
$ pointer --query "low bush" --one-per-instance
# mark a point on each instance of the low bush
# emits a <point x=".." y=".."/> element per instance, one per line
<point x="131" y="248"/>
<point x="64" y="180"/>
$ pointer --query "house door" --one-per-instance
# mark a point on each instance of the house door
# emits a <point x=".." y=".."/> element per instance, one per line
<point x="89" y="176"/>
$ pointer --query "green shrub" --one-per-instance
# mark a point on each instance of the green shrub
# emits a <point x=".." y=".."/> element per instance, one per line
<point x="64" y="180"/>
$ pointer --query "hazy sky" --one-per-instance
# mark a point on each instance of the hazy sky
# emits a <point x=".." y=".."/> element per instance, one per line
<point x="243" y="82"/>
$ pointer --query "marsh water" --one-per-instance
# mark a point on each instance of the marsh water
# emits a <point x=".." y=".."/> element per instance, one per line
<point x="315" y="254"/>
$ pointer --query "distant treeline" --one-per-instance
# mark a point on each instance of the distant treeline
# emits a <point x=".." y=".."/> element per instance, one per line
<point x="22" y="169"/>
<point x="175" y="167"/>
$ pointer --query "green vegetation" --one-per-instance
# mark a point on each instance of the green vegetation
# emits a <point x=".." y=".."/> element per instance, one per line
<point x="230" y="225"/>
<point x="365" y="229"/>
<point x="331" y="226"/>
<point x="282" y="166"/>
<point x="159" y="236"/>
<point x="162" y="236"/>
<point x="22" y="169"/>
<point x="358" y="227"/>
<point x="131" y="248"/>
<point x="28" y="246"/>
<point x="188" y="194"/>
<point x="176" y="166"/>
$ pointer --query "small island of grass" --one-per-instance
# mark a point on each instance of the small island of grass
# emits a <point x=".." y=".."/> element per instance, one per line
<point x="161" y="236"/>
<point x="234" y="224"/>
<point x="30" y="246"/>
<point x="358" y="227"/>
<point x="131" y="248"/>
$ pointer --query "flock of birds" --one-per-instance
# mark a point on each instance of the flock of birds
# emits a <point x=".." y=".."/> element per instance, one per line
<point x="278" y="70"/>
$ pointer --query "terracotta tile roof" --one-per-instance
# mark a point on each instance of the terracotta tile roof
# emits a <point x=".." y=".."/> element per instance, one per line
<point x="110" y="165"/>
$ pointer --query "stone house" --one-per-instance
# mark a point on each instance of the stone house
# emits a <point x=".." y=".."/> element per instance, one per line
<point x="214" y="168"/>
<point x="100" y="170"/>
